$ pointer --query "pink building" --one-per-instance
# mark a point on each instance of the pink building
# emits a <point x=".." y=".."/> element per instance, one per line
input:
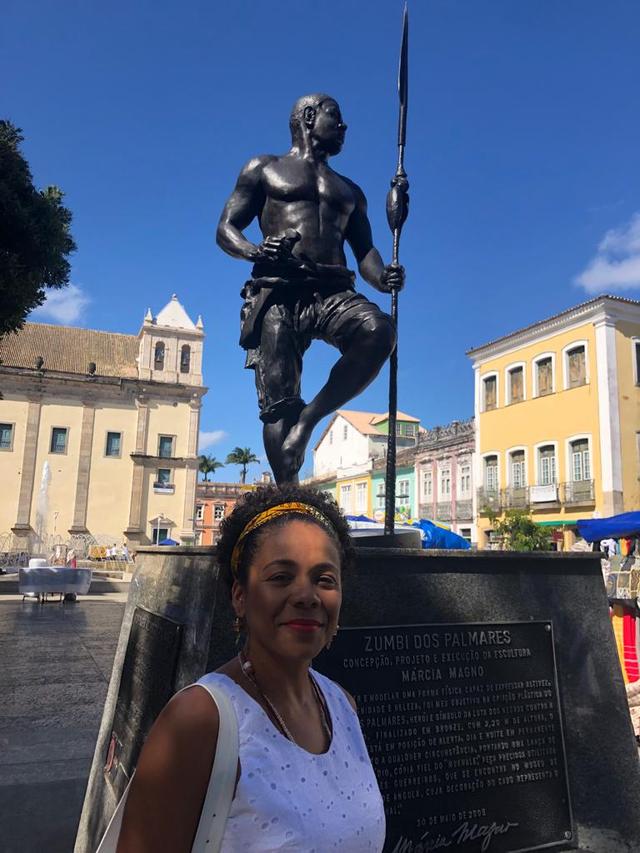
<point x="444" y="476"/>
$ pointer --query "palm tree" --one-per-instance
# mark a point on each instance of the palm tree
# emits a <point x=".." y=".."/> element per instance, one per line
<point x="209" y="465"/>
<point x="242" y="456"/>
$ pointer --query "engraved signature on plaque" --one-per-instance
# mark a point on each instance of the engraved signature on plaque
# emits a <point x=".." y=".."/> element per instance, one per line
<point x="463" y="726"/>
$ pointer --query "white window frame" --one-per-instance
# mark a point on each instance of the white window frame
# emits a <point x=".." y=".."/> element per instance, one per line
<point x="569" y="456"/>
<point x="489" y="375"/>
<point x="403" y="493"/>
<point x="507" y="381"/>
<point x="635" y="342"/>
<point x="345" y="491"/>
<point x="565" y="363"/>
<point x="537" y="448"/>
<point x="380" y="494"/>
<point x="427" y="495"/>
<point x="361" y="497"/>
<point x="217" y="515"/>
<point x="199" y="512"/>
<point x="444" y="468"/>
<point x="484" y="458"/>
<point x="517" y="449"/>
<point x="464" y="494"/>
<point x="534" y="372"/>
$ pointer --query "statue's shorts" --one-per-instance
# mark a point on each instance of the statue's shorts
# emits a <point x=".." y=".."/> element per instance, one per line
<point x="278" y="324"/>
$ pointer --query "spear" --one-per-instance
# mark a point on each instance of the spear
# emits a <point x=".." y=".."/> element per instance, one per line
<point x="397" y="210"/>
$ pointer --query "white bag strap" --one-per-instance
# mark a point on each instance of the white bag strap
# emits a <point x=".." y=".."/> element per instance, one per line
<point x="110" y="838"/>
<point x="220" y="790"/>
<point x="222" y="781"/>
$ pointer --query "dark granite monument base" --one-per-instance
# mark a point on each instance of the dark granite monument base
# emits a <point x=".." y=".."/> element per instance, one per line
<point x="544" y="700"/>
<point x="163" y="646"/>
<point x="489" y="687"/>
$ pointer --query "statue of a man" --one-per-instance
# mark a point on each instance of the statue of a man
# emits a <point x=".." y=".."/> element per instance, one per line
<point x="300" y="287"/>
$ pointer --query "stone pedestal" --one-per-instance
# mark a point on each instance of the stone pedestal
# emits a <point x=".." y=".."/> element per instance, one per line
<point x="553" y="605"/>
<point x="537" y="623"/>
<point x="163" y="646"/>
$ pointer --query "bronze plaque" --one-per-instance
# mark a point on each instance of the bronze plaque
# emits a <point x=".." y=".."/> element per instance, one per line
<point x="463" y="725"/>
<point x="146" y="685"/>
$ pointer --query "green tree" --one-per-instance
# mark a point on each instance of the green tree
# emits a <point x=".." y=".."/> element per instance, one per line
<point x="34" y="235"/>
<point x="242" y="456"/>
<point x="209" y="465"/>
<point x="520" y="533"/>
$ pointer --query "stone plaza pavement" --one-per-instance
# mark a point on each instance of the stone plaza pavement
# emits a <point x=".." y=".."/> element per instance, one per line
<point x="55" y="665"/>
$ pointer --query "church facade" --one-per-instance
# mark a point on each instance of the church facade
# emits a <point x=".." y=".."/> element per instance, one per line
<point x="99" y="432"/>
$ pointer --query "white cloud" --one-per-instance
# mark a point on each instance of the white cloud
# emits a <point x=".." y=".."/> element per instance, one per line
<point x="208" y="439"/>
<point x="616" y="265"/>
<point x="63" y="306"/>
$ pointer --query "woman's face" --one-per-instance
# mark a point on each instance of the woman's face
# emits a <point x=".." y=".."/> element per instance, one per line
<point x="292" y="597"/>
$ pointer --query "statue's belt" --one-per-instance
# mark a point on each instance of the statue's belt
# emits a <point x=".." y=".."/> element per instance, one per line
<point x="262" y="292"/>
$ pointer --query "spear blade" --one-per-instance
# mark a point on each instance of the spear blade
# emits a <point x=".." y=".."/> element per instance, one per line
<point x="403" y="79"/>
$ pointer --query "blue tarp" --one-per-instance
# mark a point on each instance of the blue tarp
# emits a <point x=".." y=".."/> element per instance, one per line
<point x="433" y="536"/>
<point x="595" y="529"/>
<point x="168" y="542"/>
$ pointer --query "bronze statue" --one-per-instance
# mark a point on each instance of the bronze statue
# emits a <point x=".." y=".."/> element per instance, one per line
<point x="300" y="287"/>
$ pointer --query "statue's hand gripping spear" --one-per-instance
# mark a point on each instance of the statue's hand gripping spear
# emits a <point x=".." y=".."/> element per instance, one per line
<point x="397" y="211"/>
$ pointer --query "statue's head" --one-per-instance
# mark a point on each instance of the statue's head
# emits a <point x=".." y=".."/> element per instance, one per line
<point x="318" y="116"/>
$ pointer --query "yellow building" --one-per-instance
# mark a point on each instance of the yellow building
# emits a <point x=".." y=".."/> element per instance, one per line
<point x="353" y="489"/>
<point x="99" y="431"/>
<point x="557" y="408"/>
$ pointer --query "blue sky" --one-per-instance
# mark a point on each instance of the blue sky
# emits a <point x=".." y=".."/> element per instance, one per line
<point x="524" y="127"/>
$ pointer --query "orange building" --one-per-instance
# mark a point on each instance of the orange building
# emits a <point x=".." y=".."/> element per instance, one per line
<point x="214" y="501"/>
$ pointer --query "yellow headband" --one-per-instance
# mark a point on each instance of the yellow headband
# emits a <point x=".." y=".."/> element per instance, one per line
<point x="269" y="515"/>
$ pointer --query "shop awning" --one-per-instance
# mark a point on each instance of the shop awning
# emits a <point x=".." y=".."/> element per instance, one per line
<point x="563" y="523"/>
<point x="595" y="529"/>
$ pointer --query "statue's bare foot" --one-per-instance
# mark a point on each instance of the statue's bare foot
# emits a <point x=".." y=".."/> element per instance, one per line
<point x="294" y="446"/>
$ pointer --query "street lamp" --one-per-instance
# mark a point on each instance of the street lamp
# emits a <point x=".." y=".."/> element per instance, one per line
<point x="160" y="519"/>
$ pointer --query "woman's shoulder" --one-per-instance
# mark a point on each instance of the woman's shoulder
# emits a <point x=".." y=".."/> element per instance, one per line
<point x="331" y="686"/>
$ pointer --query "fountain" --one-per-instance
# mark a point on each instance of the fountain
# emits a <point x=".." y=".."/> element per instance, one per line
<point x="42" y="507"/>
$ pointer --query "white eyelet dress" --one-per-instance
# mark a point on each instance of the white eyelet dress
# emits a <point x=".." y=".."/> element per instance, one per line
<point x="288" y="799"/>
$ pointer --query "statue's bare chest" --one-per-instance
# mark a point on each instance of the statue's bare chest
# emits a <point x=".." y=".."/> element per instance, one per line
<point x="296" y="181"/>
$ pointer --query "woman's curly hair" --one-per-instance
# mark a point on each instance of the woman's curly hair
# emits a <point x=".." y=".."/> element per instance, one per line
<point x="256" y="501"/>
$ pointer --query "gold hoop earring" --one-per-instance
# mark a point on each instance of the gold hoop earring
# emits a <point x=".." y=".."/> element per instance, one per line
<point x="239" y="628"/>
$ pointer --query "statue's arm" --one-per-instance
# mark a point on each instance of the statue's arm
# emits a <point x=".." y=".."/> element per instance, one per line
<point x="244" y="204"/>
<point x="370" y="264"/>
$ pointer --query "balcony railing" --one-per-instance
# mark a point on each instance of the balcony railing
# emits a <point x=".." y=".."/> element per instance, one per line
<point x="210" y="489"/>
<point x="161" y="488"/>
<point x="489" y="500"/>
<point x="578" y="492"/>
<point x="516" y="497"/>
<point x="443" y="511"/>
<point x="551" y="495"/>
<point x="464" y="510"/>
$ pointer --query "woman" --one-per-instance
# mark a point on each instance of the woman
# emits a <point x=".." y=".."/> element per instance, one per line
<point x="304" y="782"/>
